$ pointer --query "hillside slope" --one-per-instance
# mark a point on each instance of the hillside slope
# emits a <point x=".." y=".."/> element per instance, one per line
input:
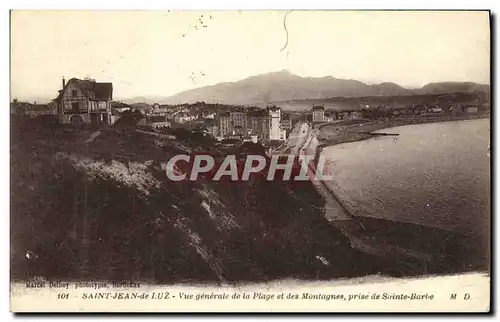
<point x="97" y="205"/>
<point x="104" y="210"/>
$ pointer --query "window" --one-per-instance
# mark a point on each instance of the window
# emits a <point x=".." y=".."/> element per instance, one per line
<point x="74" y="93"/>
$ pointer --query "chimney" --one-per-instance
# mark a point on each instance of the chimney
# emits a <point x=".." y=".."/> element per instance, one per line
<point x="63" y="82"/>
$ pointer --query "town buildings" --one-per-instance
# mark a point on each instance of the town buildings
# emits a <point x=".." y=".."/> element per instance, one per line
<point x="355" y="115"/>
<point x="32" y="110"/>
<point x="183" y="117"/>
<point x="255" y="119"/>
<point x="233" y="123"/>
<point x="318" y="113"/>
<point x="41" y="109"/>
<point x="207" y="115"/>
<point x="155" y="122"/>
<point x="213" y="130"/>
<point x="330" y="116"/>
<point x="456" y="109"/>
<point x="471" y="109"/>
<point x="266" y="124"/>
<point x="158" y="121"/>
<point x="275" y="130"/>
<point x="158" y="110"/>
<point x="238" y="122"/>
<point x="224" y="124"/>
<point x="84" y="101"/>
<point x="286" y="124"/>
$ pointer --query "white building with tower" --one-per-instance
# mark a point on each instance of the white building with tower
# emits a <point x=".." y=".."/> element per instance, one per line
<point x="275" y="131"/>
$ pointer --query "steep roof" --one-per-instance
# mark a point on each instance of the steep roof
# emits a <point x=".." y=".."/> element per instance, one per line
<point x="91" y="89"/>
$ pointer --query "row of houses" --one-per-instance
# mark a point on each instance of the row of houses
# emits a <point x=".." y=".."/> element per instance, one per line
<point x="179" y="114"/>
<point x="320" y="115"/>
<point x="32" y="109"/>
<point x="243" y="123"/>
<point x="155" y="121"/>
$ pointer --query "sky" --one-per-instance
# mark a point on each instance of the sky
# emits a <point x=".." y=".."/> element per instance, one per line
<point x="153" y="53"/>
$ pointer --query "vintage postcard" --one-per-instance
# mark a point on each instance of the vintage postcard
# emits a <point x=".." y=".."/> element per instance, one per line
<point x="250" y="161"/>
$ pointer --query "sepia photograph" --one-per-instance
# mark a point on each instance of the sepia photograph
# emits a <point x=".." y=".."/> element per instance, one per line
<point x="250" y="161"/>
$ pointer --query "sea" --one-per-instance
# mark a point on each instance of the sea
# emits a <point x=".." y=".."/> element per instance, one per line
<point x="435" y="175"/>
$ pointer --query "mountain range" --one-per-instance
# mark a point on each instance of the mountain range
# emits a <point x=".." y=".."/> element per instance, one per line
<point x="285" y="86"/>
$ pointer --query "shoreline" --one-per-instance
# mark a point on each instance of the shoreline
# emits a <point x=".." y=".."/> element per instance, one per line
<point x="352" y="131"/>
<point x="406" y="243"/>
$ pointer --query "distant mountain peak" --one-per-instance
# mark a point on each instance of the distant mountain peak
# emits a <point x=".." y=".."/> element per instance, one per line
<point x="282" y="85"/>
<point x="283" y="71"/>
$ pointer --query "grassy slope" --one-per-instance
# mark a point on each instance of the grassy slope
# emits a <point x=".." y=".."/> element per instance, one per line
<point x="104" y="210"/>
<point x="79" y="215"/>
